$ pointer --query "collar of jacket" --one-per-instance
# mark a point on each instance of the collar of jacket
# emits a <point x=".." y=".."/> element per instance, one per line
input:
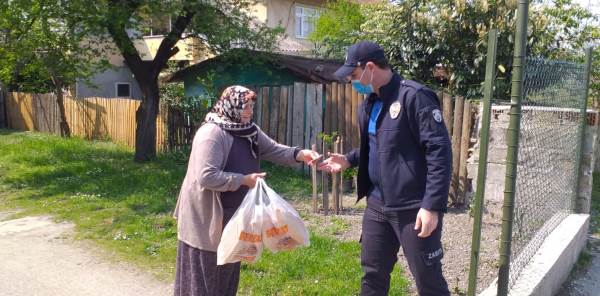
<point x="388" y="92"/>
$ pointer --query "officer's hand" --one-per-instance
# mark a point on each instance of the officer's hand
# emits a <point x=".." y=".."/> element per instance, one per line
<point x="335" y="163"/>
<point x="427" y="221"/>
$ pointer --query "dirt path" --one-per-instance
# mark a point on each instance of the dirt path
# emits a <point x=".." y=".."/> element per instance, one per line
<point x="39" y="257"/>
<point x="456" y="239"/>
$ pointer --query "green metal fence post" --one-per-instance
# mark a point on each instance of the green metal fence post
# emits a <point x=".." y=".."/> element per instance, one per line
<point x="490" y="78"/>
<point x="512" y="140"/>
<point x="580" y="208"/>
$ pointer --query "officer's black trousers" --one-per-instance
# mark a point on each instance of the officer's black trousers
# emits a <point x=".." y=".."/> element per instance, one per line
<point x="382" y="236"/>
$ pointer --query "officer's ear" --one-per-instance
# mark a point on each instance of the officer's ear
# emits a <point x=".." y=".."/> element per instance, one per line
<point x="370" y="66"/>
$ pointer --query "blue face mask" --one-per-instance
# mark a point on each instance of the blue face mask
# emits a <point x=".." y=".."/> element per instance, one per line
<point x="361" y="88"/>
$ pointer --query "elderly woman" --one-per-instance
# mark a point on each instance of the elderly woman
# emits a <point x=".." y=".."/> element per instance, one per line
<point x="224" y="164"/>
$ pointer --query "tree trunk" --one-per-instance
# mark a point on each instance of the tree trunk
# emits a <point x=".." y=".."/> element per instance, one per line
<point x="145" y="117"/>
<point x="65" y="130"/>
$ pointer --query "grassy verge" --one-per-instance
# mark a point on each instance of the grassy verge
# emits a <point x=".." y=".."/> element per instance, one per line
<point x="125" y="207"/>
<point x="595" y="207"/>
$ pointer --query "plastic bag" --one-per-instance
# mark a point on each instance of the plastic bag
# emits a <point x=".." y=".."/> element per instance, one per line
<point x="283" y="229"/>
<point x="242" y="236"/>
<point x="262" y="218"/>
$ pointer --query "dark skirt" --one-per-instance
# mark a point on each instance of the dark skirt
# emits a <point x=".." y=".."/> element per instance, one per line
<point x="197" y="272"/>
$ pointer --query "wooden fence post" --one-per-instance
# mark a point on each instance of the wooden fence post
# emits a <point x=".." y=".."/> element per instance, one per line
<point x="341" y="151"/>
<point x="314" y="183"/>
<point x="464" y="153"/>
<point x="456" y="136"/>
<point x="448" y="119"/>
<point x="334" y="184"/>
<point x="325" y="182"/>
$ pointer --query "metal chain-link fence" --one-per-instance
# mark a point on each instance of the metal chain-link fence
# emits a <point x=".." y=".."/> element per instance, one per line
<point x="549" y="154"/>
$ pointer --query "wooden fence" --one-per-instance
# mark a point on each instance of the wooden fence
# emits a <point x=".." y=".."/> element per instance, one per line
<point x="297" y="114"/>
<point x="91" y="118"/>
<point x="294" y="115"/>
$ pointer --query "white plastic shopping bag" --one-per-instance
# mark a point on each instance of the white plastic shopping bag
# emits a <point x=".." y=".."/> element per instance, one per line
<point x="283" y="229"/>
<point x="242" y="236"/>
<point x="262" y="218"/>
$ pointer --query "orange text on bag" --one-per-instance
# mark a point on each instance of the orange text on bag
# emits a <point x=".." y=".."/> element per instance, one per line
<point x="277" y="231"/>
<point x="249" y="237"/>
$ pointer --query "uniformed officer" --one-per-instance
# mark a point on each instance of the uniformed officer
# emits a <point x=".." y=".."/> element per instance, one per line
<point x="404" y="164"/>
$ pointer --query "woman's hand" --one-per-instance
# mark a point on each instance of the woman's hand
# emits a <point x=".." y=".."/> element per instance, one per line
<point x="250" y="179"/>
<point x="309" y="157"/>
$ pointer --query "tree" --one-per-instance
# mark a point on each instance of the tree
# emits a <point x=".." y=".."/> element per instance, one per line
<point x="43" y="47"/>
<point x="418" y="35"/>
<point x="337" y="28"/>
<point x="220" y="25"/>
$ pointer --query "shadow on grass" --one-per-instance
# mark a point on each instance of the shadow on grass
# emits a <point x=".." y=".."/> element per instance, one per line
<point x="54" y="167"/>
<point x="125" y="206"/>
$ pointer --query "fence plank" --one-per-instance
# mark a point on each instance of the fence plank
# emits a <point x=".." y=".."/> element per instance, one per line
<point x="309" y="137"/>
<point x="348" y="117"/>
<point x="328" y="111"/>
<point x="317" y="114"/>
<point x="258" y="109"/>
<point x="334" y="107"/>
<point x="458" y="110"/>
<point x="265" y="109"/>
<point x="464" y="152"/>
<point x="447" y="106"/>
<point x="341" y="110"/>
<point x="355" y="132"/>
<point x="274" y="116"/>
<point x="283" y="109"/>
<point x="298" y="114"/>
<point x="290" y="116"/>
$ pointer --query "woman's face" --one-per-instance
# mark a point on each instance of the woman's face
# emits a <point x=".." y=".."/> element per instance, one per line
<point x="248" y="112"/>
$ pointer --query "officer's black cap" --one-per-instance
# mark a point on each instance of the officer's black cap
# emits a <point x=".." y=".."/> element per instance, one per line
<point x="359" y="54"/>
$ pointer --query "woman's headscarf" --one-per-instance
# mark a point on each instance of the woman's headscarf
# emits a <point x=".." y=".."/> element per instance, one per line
<point x="227" y="114"/>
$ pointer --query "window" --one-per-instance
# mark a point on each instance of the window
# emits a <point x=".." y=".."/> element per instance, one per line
<point x="305" y="20"/>
<point x="123" y="89"/>
<point x="157" y="26"/>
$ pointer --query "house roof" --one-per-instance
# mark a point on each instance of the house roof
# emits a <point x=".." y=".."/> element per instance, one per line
<point x="308" y="69"/>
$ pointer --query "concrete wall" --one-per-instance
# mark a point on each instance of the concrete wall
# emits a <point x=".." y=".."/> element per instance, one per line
<point x="550" y="266"/>
<point x="104" y="84"/>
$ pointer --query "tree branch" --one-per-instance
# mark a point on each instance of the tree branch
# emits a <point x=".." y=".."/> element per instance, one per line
<point x="167" y="47"/>
<point x="116" y="29"/>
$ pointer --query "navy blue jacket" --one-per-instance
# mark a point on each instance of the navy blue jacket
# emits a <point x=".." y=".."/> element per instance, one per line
<point x="413" y="148"/>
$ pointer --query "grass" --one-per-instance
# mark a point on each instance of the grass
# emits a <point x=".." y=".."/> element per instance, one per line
<point x="595" y="206"/>
<point x="126" y="208"/>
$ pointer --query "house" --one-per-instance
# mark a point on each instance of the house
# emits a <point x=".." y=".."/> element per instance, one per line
<point x="118" y="82"/>
<point x="254" y="68"/>
<point x="296" y="17"/>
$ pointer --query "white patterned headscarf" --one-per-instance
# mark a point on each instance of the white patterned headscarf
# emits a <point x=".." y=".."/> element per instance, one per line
<point x="227" y="114"/>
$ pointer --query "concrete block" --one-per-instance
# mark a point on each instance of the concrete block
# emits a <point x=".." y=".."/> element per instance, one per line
<point x="551" y="265"/>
